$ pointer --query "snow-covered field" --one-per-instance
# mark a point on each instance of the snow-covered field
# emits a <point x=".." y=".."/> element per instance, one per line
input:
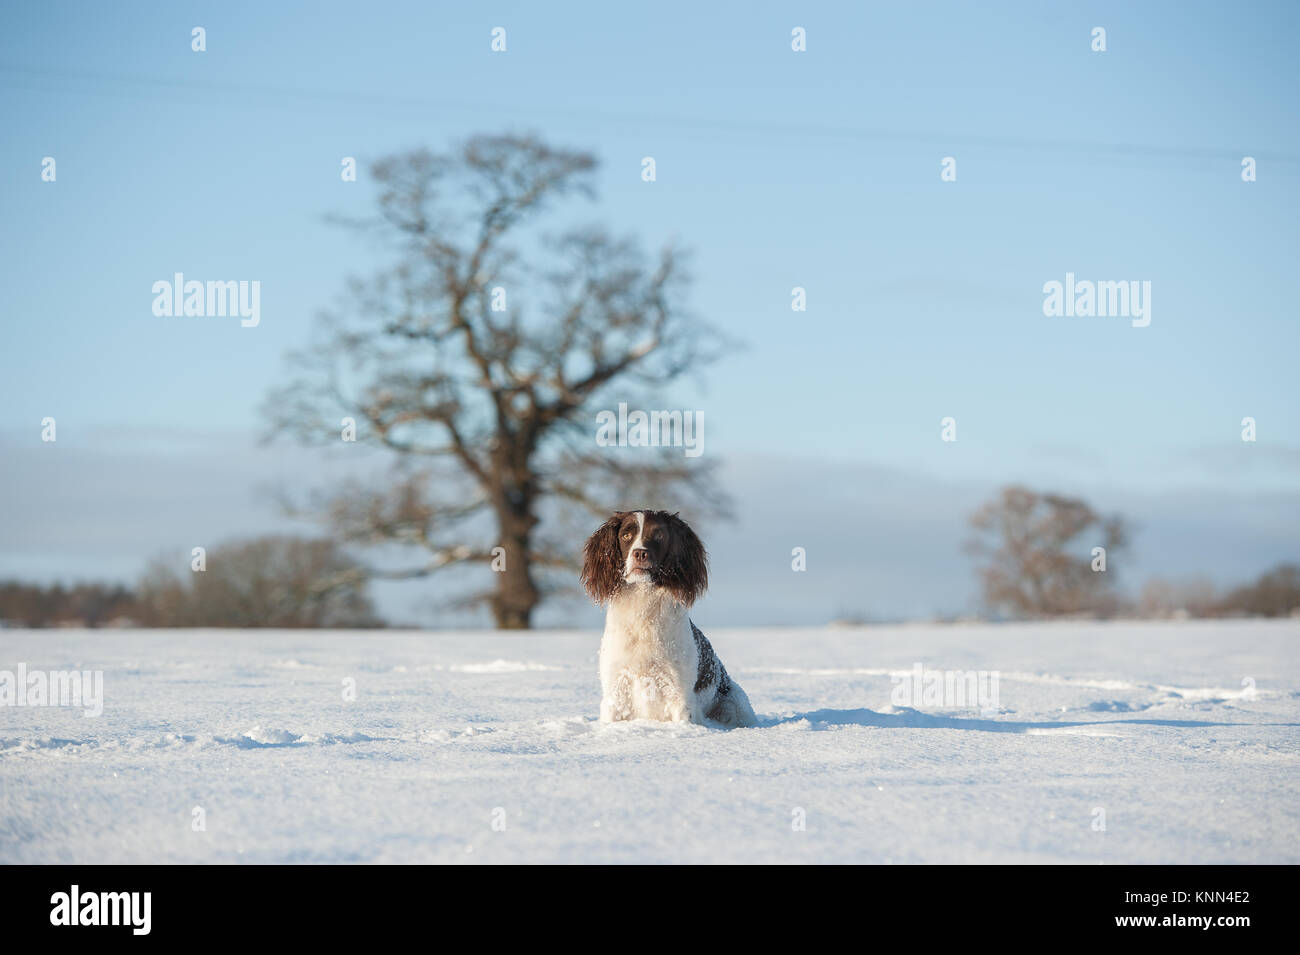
<point x="482" y="747"/>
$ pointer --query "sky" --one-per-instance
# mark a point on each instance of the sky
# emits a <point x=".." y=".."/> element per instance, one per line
<point x="777" y="169"/>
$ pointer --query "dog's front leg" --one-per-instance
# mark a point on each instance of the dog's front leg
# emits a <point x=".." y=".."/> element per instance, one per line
<point x="676" y="707"/>
<point x="616" y="702"/>
<point x="679" y="712"/>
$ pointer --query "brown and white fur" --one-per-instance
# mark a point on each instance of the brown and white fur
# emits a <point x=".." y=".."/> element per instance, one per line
<point x="648" y="567"/>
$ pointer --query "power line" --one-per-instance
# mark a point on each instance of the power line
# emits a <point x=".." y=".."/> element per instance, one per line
<point x="335" y="98"/>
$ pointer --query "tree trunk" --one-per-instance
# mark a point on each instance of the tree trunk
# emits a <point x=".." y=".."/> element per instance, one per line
<point x="516" y="593"/>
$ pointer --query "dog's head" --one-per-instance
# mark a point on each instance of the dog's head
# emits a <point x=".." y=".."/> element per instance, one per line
<point x="652" y="547"/>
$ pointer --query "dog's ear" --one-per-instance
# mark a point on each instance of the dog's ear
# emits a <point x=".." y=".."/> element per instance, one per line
<point x="686" y="566"/>
<point x="602" y="561"/>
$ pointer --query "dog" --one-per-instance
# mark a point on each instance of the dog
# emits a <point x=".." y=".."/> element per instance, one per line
<point x="648" y="568"/>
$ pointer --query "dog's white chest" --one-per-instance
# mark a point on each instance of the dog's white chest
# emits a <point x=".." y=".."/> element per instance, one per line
<point x="648" y="658"/>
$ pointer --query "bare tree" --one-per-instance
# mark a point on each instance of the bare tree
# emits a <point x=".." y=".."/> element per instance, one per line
<point x="484" y="352"/>
<point x="1036" y="554"/>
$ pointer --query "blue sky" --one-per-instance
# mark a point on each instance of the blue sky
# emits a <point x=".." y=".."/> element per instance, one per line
<point x="777" y="169"/>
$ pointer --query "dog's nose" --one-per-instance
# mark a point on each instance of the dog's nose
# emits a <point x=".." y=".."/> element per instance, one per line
<point x="640" y="555"/>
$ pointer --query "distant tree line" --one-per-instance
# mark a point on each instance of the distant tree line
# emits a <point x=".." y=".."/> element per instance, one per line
<point x="89" y="605"/>
<point x="1275" y="593"/>
<point x="1040" y="555"/>
<point x="285" y="582"/>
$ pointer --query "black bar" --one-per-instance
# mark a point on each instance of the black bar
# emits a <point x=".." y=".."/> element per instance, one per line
<point x="332" y="903"/>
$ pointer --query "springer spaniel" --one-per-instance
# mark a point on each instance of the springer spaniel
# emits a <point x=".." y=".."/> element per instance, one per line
<point x="649" y="567"/>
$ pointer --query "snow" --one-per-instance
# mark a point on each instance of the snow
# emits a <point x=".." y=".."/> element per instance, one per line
<point x="1182" y="736"/>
